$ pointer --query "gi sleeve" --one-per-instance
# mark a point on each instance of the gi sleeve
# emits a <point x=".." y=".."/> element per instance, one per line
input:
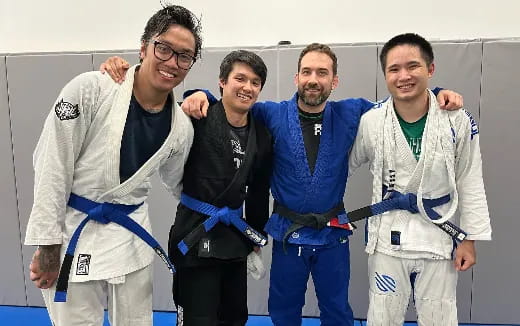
<point x="58" y="148"/>
<point x="359" y="152"/>
<point x="474" y="214"/>
<point x="172" y="170"/>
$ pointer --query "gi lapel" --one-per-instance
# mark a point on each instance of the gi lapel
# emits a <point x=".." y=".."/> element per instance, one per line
<point x="296" y="140"/>
<point x="240" y="177"/>
<point x="117" y="125"/>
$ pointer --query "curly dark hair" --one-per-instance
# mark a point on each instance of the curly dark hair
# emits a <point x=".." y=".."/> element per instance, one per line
<point x="173" y="15"/>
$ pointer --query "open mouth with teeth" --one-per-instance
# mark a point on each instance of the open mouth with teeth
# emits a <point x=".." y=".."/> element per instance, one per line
<point x="406" y="86"/>
<point x="167" y="74"/>
<point x="244" y="97"/>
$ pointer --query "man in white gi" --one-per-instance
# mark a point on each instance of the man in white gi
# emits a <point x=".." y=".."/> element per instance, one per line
<point x="99" y="147"/>
<point x="416" y="149"/>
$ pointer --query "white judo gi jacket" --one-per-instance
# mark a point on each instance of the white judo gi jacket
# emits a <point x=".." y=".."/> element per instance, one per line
<point x="450" y="163"/>
<point x="79" y="152"/>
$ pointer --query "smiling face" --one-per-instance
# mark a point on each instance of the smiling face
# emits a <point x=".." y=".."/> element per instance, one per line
<point x="315" y="79"/>
<point x="163" y="76"/>
<point x="241" y="88"/>
<point x="407" y="74"/>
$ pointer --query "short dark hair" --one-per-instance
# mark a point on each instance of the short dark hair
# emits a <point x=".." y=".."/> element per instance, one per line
<point x="322" y="48"/>
<point x="407" y="39"/>
<point x="173" y="15"/>
<point x="247" y="57"/>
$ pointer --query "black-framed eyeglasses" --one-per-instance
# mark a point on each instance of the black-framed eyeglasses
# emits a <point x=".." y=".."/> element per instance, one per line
<point x="164" y="52"/>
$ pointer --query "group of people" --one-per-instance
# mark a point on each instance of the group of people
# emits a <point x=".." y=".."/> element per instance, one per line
<point x="108" y="133"/>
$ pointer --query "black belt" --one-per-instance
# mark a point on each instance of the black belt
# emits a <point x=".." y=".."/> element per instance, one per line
<point x="313" y="220"/>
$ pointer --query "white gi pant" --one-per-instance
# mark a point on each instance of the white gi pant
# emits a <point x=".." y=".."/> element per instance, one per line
<point x="129" y="301"/>
<point x="391" y="283"/>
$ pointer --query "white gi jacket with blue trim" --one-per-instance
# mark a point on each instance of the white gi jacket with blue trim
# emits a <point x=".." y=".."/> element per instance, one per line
<point x="79" y="152"/>
<point x="450" y="142"/>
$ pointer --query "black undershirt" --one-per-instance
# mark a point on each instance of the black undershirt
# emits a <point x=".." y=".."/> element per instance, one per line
<point x="143" y="135"/>
<point x="311" y="130"/>
<point x="239" y="137"/>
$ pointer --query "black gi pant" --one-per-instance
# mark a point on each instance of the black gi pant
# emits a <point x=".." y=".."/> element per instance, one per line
<point x="211" y="294"/>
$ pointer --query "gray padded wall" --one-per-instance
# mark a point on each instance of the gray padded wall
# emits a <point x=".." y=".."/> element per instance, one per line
<point x="34" y="81"/>
<point x="12" y="287"/>
<point x="357" y="78"/>
<point x="34" y="84"/>
<point x="496" y="285"/>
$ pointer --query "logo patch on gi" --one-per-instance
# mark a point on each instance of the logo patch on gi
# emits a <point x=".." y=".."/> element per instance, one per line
<point x="395" y="238"/>
<point x="83" y="264"/>
<point x="66" y="111"/>
<point x="385" y="283"/>
<point x="204" y="247"/>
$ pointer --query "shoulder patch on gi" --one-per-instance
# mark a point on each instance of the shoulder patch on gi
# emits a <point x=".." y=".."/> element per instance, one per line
<point x="66" y="111"/>
<point x="83" y="264"/>
<point x="474" y="126"/>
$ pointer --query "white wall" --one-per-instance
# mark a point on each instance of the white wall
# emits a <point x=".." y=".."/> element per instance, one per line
<point x="69" y="25"/>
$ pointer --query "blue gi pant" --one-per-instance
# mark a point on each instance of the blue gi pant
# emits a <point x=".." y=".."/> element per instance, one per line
<point x="330" y="270"/>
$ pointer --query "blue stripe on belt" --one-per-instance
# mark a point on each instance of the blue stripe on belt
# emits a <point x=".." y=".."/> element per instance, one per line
<point x="409" y="202"/>
<point x="103" y="213"/>
<point x="223" y="215"/>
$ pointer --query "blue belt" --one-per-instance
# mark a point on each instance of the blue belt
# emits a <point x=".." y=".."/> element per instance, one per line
<point x="409" y="202"/>
<point x="103" y="213"/>
<point x="224" y="215"/>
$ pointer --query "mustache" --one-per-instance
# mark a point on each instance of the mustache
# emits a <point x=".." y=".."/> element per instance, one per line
<point x="312" y="87"/>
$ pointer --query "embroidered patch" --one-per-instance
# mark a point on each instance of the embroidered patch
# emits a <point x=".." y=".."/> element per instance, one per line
<point x="385" y="283"/>
<point x="66" y="111"/>
<point x="83" y="264"/>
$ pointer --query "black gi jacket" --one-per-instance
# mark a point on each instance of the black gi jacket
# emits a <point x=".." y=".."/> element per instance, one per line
<point x="209" y="176"/>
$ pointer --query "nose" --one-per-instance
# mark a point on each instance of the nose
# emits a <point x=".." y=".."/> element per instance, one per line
<point x="248" y="86"/>
<point x="403" y="74"/>
<point x="172" y="62"/>
<point x="313" y="78"/>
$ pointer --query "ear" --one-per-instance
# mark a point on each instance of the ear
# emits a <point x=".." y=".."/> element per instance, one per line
<point x="222" y="83"/>
<point x="335" y="81"/>
<point x="142" y="51"/>
<point x="296" y="79"/>
<point x="431" y="69"/>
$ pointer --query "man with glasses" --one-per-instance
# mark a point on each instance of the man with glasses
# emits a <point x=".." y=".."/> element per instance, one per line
<point x="99" y="147"/>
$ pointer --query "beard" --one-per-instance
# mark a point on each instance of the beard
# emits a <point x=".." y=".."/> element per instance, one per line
<point x="313" y="100"/>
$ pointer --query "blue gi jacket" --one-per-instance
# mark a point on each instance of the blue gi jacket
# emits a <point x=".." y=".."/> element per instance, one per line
<point x="292" y="183"/>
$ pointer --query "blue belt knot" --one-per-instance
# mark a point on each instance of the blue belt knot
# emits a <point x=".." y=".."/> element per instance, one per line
<point x="225" y="215"/>
<point x="408" y="202"/>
